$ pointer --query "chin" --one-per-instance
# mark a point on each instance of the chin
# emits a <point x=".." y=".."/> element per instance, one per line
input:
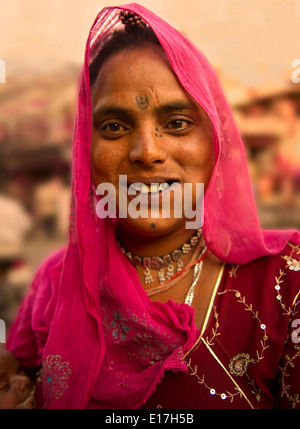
<point x="151" y="227"/>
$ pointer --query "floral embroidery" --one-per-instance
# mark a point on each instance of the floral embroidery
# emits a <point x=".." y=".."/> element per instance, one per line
<point x="54" y="374"/>
<point x="212" y="391"/>
<point x="238" y="364"/>
<point x="278" y="280"/>
<point x="120" y="329"/>
<point x="293" y="265"/>
<point x="149" y="349"/>
<point x="128" y="333"/>
<point x="289" y="362"/>
<point x="248" y="307"/>
<point x="233" y="271"/>
<point x="215" y="332"/>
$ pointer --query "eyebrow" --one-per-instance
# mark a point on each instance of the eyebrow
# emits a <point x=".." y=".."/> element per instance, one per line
<point x="164" y="109"/>
<point x="110" y="110"/>
<point x="175" y="106"/>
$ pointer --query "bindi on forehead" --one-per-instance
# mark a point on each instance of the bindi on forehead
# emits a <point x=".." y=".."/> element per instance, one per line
<point x="142" y="102"/>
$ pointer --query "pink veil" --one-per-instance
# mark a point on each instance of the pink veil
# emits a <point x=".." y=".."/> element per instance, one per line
<point x="231" y="226"/>
<point x="72" y="340"/>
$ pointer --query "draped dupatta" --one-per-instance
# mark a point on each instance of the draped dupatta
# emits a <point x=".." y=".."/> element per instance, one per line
<point x="94" y="323"/>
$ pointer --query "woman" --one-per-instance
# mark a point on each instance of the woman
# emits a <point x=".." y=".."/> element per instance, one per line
<point x="144" y="311"/>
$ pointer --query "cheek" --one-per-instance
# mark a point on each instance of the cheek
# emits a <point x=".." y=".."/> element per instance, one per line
<point x="198" y="156"/>
<point x="198" y="162"/>
<point x="105" y="162"/>
<point x="99" y="161"/>
<point x="8" y="401"/>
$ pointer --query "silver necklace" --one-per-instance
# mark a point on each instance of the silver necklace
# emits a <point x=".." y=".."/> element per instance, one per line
<point x="162" y="264"/>
<point x="190" y="295"/>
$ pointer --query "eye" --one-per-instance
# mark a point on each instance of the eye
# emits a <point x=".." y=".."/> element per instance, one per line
<point x="4" y="388"/>
<point x="112" y="127"/>
<point x="178" y="124"/>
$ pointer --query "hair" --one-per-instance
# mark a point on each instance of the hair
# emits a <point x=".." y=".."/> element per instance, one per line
<point x="119" y="40"/>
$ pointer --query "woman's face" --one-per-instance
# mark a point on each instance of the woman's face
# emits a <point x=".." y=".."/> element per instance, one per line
<point x="148" y="128"/>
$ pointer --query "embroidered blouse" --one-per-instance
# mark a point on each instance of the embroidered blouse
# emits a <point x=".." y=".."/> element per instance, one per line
<point x="248" y="353"/>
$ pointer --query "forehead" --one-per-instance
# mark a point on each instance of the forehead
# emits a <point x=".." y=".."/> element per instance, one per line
<point x="137" y="72"/>
<point x="7" y="363"/>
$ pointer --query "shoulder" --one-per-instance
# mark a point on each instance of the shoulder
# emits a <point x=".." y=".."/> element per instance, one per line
<point x="271" y="279"/>
<point x="286" y="263"/>
<point x="46" y="277"/>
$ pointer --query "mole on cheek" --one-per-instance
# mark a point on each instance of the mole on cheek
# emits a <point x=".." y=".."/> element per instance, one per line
<point x="153" y="226"/>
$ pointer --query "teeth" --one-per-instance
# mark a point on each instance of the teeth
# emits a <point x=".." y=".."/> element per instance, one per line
<point x="144" y="189"/>
<point x="153" y="188"/>
<point x="163" y="186"/>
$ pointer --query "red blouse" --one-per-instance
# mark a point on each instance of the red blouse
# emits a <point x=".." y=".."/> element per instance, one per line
<point x="248" y="354"/>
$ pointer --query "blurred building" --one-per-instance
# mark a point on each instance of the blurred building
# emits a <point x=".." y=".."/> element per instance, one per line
<point x="36" y="125"/>
<point x="37" y="114"/>
<point x="268" y="118"/>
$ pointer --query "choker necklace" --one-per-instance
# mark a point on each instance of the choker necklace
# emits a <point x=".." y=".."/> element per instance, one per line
<point x="162" y="264"/>
<point x="197" y="262"/>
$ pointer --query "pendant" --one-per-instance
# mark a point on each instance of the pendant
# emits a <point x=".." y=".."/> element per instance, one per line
<point x="148" y="276"/>
<point x="170" y="272"/>
<point x="179" y="265"/>
<point x="161" y="276"/>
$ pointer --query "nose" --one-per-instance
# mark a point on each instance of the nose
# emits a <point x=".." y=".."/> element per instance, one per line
<point x="147" y="148"/>
<point x="20" y="382"/>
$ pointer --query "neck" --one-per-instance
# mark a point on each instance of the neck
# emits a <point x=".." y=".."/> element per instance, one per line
<point x="155" y="244"/>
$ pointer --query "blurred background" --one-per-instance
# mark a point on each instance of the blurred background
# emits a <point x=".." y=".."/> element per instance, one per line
<point x="253" y="45"/>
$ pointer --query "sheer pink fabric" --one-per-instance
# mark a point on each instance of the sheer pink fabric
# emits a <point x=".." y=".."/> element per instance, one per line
<point x="96" y="331"/>
<point x="229" y="196"/>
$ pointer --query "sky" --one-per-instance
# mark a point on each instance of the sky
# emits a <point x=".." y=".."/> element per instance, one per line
<point x="252" y="41"/>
